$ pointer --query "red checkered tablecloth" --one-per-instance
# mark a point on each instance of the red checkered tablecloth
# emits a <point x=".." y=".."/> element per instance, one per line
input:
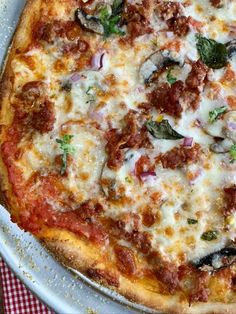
<point x="16" y="298"/>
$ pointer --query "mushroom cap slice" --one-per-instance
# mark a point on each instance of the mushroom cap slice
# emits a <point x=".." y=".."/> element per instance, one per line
<point x="222" y="146"/>
<point x="231" y="47"/>
<point x="154" y="63"/>
<point x="219" y="259"/>
<point x="111" y="185"/>
<point x="229" y="128"/>
<point x="89" y="22"/>
<point x="224" y="129"/>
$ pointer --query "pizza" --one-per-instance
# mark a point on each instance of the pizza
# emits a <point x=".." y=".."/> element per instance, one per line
<point x="118" y="144"/>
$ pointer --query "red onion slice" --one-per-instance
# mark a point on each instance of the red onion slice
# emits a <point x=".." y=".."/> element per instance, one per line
<point x="198" y="123"/>
<point x="232" y="28"/>
<point x="144" y="175"/>
<point x="140" y="89"/>
<point x="188" y="141"/>
<point x="170" y="35"/>
<point x="75" y="77"/>
<point x="96" y="115"/>
<point x="97" y="61"/>
<point x="232" y="125"/>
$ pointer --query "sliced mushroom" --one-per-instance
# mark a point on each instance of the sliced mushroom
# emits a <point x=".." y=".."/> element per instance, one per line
<point x="215" y="129"/>
<point x="222" y="146"/>
<point x="155" y="63"/>
<point x="111" y="185"/>
<point x="114" y="182"/>
<point x="89" y="22"/>
<point x="224" y="132"/>
<point x="231" y="47"/>
<point x="219" y="259"/>
<point x="229" y="129"/>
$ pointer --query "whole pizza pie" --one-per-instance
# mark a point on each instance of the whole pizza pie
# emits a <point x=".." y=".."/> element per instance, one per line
<point x="118" y="144"/>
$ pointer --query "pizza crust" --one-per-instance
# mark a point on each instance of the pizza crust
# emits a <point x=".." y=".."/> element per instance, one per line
<point x="20" y="40"/>
<point x="76" y="253"/>
<point x="66" y="247"/>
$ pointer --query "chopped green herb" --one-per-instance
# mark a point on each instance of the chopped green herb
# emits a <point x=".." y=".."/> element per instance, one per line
<point x="232" y="152"/>
<point x="89" y="90"/>
<point x="154" y="42"/>
<point x="162" y="130"/>
<point x="192" y="221"/>
<point x="170" y="79"/>
<point x="128" y="179"/>
<point x="67" y="148"/>
<point x="216" y="113"/>
<point x="93" y="99"/>
<point x="212" y="53"/>
<point x="210" y="235"/>
<point x="110" y="21"/>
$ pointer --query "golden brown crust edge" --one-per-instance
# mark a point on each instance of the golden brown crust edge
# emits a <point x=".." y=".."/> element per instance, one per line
<point x="80" y="256"/>
<point x="76" y="254"/>
<point x="20" y="40"/>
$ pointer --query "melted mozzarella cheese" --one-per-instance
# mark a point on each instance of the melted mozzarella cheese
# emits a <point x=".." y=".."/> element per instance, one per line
<point x="88" y="160"/>
<point x="192" y="192"/>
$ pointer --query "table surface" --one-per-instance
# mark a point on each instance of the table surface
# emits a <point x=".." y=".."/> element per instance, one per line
<point x="16" y="298"/>
<point x="1" y="297"/>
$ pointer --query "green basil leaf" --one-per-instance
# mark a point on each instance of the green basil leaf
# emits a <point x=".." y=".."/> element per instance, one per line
<point x="232" y="152"/>
<point x="162" y="130"/>
<point x="215" y="114"/>
<point x="192" y="221"/>
<point x="210" y="235"/>
<point x="67" y="148"/>
<point x="170" y="79"/>
<point x="212" y="53"/>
